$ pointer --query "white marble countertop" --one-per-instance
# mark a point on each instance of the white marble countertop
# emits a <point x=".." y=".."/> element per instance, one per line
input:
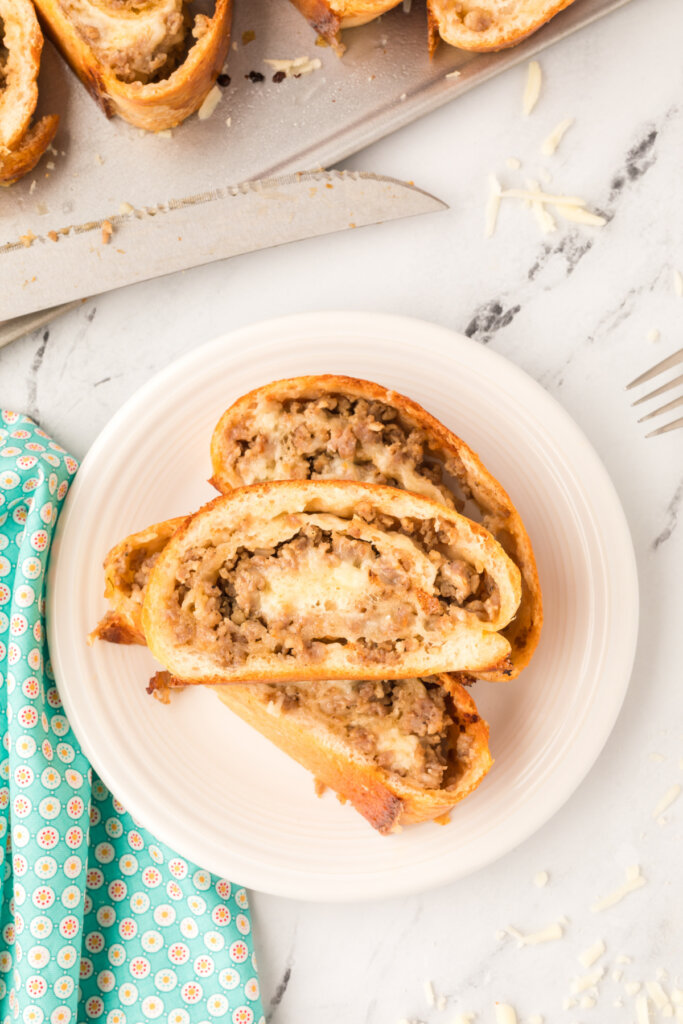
<point x="574" y="309"/>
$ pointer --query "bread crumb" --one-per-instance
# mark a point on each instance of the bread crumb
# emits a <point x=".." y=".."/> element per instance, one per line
<point x="50" y="165"/>
<point x="658" y="758"/>
<point x="228" y="122"/>
<point x="532" y="89"/>
<point x="453" y="74"/>
<point x="617" y="974"/>
<point x="126" y="208"/>
<point x="167" y="133"/>
<point x="512" y="163"/>
<point x="107" y="231"/>
<point x="53" y="236"/>
<point x="28" y="239"/>
<point x="32" y="189"/>
<point x="99" y="159"/>
<point x="541" y="879"/>
<point x="653" y="334"/>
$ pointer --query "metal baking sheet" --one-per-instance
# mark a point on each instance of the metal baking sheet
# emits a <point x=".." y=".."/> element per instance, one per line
<point x="384" y="81"/>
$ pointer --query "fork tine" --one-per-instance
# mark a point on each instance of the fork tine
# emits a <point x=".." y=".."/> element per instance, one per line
<point x="660" y="391"/>
<point x="666" y="364"/>
<point x="664" y="408"/>
<point x="669" y="426"/>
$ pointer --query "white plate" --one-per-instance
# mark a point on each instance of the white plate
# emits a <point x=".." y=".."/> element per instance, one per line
<point x="219" y="793"/>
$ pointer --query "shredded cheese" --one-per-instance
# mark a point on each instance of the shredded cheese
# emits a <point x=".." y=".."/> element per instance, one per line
<point x="634" y="880"/>
<point x="568" y="1003"/>
<point x="580" y="216"/>
<point x="535" y="1018"/>
<point x="492" y="206"/>
<point x="678" y="282"/>
<point x="552" y="932"/>
<point x="441" y="1003"/>
<point x="453" y="74"/>
<point x="543" y="217"/>
<point x="513" y="163"/>
<point x="429" y="993"/>
<point x="617" y="974"/>
<point x="296" y="66"/>
<point x="541" y="879"/>
<point x="587" y="980"/>
<point x="505" y="1014"/>
<point x="632" y="988"/>
<point x="125" y="208"/>
<point x="532" y="90"/>
<point x="657" y="995"/>
<point x="211" y="101"/>
<point x="542" y="197"/>
<point x="587" y="1002"/>
<point x="674" y="792"/>
<point x="642" y="1010"/>
<point x="623" y="959"/>
<point x="658" y="758"/>
<point x="552" y="141"/>
<point x="464" y="1018"/>
<point x="593" y="953"/>
<point x="653" y="334"/>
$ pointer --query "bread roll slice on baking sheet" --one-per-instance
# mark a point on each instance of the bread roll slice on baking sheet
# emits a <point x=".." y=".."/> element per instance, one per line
<point x="321" y="427"/>
<point x="150" y="62"/>
<point x="300" y="580"/>
<point x="21" y="42"/>
<point x="329" y="17"/>
<point x="488" y="24"/>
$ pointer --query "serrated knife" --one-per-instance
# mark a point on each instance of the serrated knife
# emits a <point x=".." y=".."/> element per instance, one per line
<point x="70" y="262"/>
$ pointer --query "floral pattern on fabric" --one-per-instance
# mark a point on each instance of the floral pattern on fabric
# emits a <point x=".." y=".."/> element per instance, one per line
<point x="99" y="921"/>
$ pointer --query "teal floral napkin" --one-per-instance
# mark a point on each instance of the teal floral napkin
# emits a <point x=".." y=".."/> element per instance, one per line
<point x="99" y="922"/>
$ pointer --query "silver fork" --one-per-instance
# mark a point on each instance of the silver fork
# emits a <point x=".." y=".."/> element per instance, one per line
<point x="666" y="364"/>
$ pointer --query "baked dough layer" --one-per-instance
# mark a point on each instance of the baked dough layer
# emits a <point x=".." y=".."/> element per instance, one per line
<point x="145" y="60"/>
<point x="329" y="17"/>
<point x="336" y="427"/>
<point x="325" y="580"/>
<point x="21" y="42"/>
<point x="484" y="25"/>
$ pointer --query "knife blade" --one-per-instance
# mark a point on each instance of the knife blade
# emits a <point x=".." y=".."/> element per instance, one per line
<point x="78" y="260"/>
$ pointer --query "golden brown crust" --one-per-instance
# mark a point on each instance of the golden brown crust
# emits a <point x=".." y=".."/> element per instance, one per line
<point x="21" y="145"/>
<point x="486" y="25"/>
<point x="122" y="624"/>
<point x="499" y="515"/>
<point x="20" y="161"/>
<point x="328" y="19"/>
<point x="469" y="646"/>
<point x="386" y="800"/>
<point x="154" y="106"/>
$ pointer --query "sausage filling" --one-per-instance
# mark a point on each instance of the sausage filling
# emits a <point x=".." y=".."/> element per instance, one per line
<point x="409" y="727"/>
<point x="140" y="40"/>
<point x="389" y="587"/>
<point x="344" y="438"/>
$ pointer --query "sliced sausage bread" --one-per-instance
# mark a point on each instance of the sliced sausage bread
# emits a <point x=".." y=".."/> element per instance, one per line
<point x="335" y="427"/>
<point x="299" y="580"/>
<point x="150" y="63"/>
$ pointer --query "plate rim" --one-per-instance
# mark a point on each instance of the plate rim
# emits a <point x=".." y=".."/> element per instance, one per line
<point x="350" y="322"/>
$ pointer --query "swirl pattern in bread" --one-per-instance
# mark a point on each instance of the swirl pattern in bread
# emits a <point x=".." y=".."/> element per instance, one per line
<point x="296" y="580"/>
<point x="335" y="427"/>
<point x="21" y="42"/>
<point x="146" y="60"/>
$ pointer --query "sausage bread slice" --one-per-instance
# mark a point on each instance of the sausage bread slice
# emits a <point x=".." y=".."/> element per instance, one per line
<point x="335" y="427"/>
<point x="298" y="580"/>
<point x="21" y="43"/>
<point x="151" y="63"/>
